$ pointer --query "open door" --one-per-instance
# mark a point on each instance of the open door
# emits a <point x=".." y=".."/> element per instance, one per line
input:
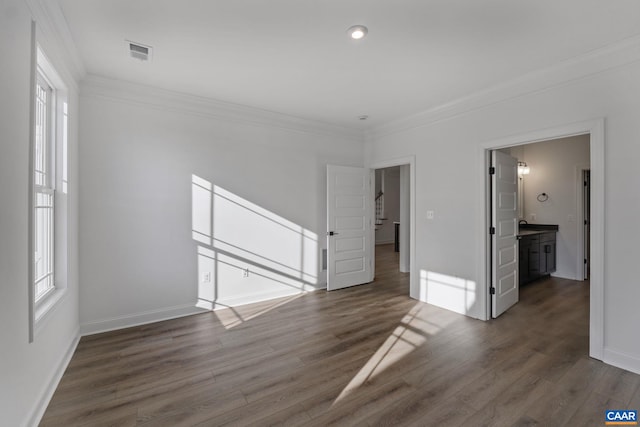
<point x="349" y="222"/>
<point x="504" y="229"/>
<point x="586" y="202"/>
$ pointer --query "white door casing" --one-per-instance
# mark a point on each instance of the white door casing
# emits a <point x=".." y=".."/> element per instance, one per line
<point x="504" y="243"/>
<point x="349" y="225"/>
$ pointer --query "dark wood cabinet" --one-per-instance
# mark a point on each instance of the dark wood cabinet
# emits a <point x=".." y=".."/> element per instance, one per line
<point x="537" y="254"/>
<point x="547" y="253"/>
<point x="529" y="264"/>
<point x="523" y="260"/>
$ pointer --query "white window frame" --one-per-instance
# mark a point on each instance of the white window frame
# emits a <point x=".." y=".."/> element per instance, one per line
<point x="51" y="185"/>
<point x="44" y="190"/>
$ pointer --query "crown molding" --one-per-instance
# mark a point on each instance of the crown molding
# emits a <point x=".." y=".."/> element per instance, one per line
<point x="57" y="39"/>
<point x="589" y="64"/>
<point x="167" y="100"/>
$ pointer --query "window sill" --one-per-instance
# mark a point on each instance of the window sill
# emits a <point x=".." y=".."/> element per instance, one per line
<point x="47" y="306"/>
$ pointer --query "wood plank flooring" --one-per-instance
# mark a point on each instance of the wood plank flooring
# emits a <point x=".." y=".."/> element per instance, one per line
<point x="367" y="355"/>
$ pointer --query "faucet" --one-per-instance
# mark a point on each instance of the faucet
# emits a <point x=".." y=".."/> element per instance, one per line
<point x="522" y="221"/>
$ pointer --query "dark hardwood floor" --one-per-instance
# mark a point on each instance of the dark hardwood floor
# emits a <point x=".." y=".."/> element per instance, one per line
<point x="366" y="355"/>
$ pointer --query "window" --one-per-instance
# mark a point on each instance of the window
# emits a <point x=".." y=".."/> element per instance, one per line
<point x="49" y="191"/>
<point x="44" y="191"/>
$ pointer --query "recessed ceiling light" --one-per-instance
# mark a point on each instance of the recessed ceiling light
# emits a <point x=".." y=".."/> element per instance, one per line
<point x="357" y="32"/>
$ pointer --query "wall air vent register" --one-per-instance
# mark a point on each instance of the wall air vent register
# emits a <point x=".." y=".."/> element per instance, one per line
<point x="139" y="51"/>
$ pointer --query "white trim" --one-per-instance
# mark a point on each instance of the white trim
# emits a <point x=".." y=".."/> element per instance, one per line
<point x="167" y="100"/>
<point x="45" y="73"/>
<point x="127" y="321"/>
<point x="597" y="160"/>
<point x="30" y="204"/>
<point x="384" y="242"/>
<point x="57" y="38"/>
<point x="621" y="360"/>
<point x="591" y="63"/>
<point x="414" y="290"/>
<point x="595" y="128"/>
<point x="48" y="306"/>
<point x="484" y="244"/>
<point x="50" y="386"/>
<point x="251" y="299"/>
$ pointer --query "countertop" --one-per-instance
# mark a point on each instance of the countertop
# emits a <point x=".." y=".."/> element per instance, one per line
<point x="531" y="229"/>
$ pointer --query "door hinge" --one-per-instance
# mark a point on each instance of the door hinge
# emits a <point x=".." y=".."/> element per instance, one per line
<point x="492" y="290"/>
<point x="492" y="230"/>
<point x="585" y="260"/>
<point x="492" y="170"/>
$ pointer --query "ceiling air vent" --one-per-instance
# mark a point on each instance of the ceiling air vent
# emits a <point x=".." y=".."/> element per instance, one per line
<point x="139" y="51"/>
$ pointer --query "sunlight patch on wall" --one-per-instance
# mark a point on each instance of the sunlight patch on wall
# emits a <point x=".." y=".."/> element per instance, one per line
<point x="247" y="253"/>
<point x="450" y="292"/>
<point x="261" y="236"/>
<point x="201" y="196"/>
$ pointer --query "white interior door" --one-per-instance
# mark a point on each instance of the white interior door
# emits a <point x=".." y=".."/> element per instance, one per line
<point x="349" y="226"/>
<point x="504" y="243"/>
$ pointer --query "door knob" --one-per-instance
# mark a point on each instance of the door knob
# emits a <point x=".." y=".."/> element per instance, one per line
<point x="332" y="233"/>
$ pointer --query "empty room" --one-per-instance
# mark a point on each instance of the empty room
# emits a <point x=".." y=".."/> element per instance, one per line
<point x="319" y="213"/>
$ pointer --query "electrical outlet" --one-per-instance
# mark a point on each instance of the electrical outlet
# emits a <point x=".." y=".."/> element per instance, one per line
<point x="430" y="214"/>
<point x="533" y="216"/>
<point x="245" y="272"/>
<point x="206" y="277"/>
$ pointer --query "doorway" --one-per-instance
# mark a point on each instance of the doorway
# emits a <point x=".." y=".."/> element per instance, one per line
<point x="595" y="130"/>
<point x="547" y="221"/>
<point x="406" y="226"/>
<point x="350" y="223"/>
<point x="391" y="205"/>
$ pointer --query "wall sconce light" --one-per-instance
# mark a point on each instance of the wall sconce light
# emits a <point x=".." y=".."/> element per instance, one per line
<point x="523" y="169"/>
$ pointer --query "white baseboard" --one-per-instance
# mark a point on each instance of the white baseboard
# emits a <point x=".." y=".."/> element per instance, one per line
<point x="384" y="242"/>
<point x="250" y="299"/>
<point x="52" y="384"/>
<point x="622" y="360"/>
<point x="127" y="321"/>
<point x="562" y="276"/>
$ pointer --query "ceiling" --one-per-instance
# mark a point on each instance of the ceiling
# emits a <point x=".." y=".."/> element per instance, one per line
<point x="294" y="56"/>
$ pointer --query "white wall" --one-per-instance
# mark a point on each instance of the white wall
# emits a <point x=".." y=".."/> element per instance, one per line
<point x="386" y="231"/>
<point x="556" y="169"/>
<point x="405" y="218"/>
<point x="260" y="188"/>
<point x="28" y="371"/>
<point x="447" y="143"/>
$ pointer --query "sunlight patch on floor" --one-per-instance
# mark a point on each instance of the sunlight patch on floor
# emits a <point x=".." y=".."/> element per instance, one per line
<point x="234" y="316"/>
<point x="411" y="333"/>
